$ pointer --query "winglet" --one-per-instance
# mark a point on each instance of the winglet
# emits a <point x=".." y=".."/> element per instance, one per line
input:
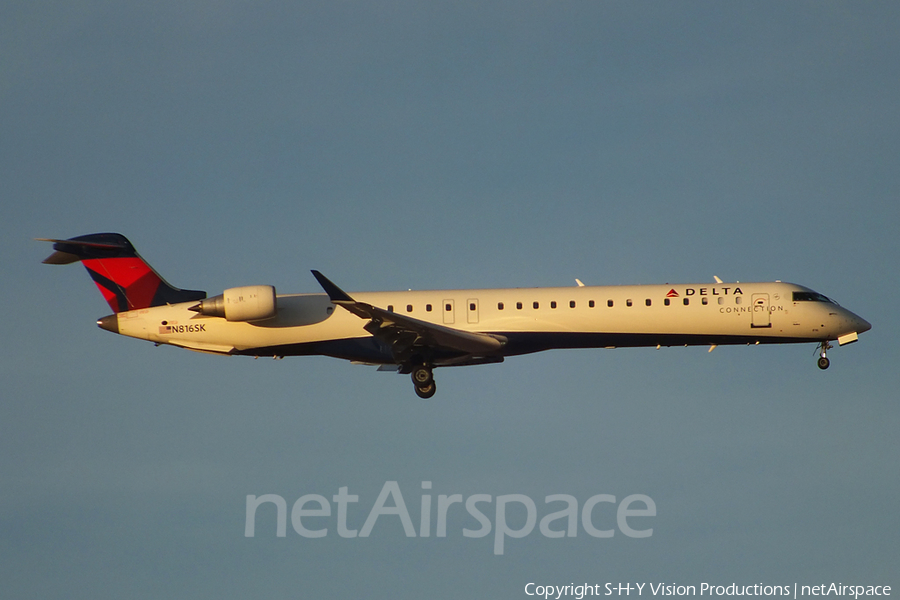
<point x="336" y="294"/>
<point x="395" y="328"/>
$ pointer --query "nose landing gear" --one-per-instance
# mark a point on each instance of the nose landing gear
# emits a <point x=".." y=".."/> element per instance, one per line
<point x="823" y="361"/>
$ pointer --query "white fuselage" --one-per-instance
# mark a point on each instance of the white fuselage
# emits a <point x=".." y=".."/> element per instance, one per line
<point x="529" y="319"/>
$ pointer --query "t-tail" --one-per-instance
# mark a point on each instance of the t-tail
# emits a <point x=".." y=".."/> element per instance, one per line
<point x="126" y="281"/>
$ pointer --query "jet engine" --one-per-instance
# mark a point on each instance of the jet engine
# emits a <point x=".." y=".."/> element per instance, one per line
<point x="248" y="303"/>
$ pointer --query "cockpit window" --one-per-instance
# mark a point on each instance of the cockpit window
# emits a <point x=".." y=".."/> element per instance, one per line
<point x="810" y="297"/>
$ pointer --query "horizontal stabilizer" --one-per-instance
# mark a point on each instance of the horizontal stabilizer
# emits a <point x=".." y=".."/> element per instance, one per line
<point x="70" y="251"/>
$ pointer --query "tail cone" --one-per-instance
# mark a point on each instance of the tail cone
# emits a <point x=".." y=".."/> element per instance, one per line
<point x="109" y="323"/>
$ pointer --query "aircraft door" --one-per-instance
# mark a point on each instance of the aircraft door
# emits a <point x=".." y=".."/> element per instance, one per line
<point x="761" y="315"/>
<point x="448" y="312"/>
<point x="472" y="312"/>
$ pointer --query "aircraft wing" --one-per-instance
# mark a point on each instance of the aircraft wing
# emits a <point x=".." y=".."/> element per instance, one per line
<point x="396" y="327"/>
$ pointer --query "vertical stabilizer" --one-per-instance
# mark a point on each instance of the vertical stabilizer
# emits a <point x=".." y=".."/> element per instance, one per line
<point x="126" y="281"/>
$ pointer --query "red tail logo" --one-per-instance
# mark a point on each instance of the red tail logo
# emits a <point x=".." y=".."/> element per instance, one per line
<point x="126" y="281"/>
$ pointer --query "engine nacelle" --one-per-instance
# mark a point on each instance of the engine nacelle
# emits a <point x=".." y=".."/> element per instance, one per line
<point x="248" y="303"/>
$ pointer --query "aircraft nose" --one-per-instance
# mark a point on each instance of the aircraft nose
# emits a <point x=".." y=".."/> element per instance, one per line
<point x="862" y="325"/>
<point x="856" y="323"/>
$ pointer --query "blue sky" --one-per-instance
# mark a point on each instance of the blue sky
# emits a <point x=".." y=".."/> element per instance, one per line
<point x="401" y="145"/>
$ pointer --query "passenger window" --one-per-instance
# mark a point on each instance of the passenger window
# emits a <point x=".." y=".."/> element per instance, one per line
<point x="647" y="302"/>
<point x="738" y="300"/>
<point x="448" y="307"/>
<point x="667" y="302"/>
<point x="609" y="303"/>
<point x="519" y="305"/>
<point x="571" y="304"/>
<point x="390" y="308"/>
<point x="471" y="306"/>
<point x="536" y="304"/>
<point x="721" y="300"/>
<point x="409" y="308"/>
<point x="704" y="301"/>
<point x="687" y="301"/>
<point x="499" y="306"/>
<point x="553" y="304"/>
<point x="628" y="302"/>
<point x="427" y="308"/>
<point x="591" y="303"/>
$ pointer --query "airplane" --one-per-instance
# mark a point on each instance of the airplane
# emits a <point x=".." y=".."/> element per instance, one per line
<point x="413" y="332"/>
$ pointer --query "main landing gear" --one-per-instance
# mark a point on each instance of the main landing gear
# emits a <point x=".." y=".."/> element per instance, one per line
<point x="423" y="380"/>
<point x="823" y="361"/>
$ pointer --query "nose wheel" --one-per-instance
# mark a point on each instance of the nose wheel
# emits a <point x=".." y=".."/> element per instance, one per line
<point x="423" y="380"/>
<point x="823" y="361"/>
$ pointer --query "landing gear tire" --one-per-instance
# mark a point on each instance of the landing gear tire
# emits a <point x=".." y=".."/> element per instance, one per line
<point x="422" y="376"/>
<point x="823" y="361"/>
<point x="426" y="391"/>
